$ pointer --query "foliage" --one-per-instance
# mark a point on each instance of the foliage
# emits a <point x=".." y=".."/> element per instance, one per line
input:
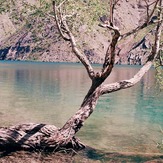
<point x="22" y="10"/>
<point x="5" y="6"/>
<point x="85" y="12"/>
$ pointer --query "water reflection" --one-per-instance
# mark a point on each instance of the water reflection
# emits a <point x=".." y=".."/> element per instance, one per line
<point x="127" y="120"/>
<point x="43" y="92"/>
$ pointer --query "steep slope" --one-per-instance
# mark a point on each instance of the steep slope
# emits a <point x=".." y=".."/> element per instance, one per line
<point x="29" y="33"/>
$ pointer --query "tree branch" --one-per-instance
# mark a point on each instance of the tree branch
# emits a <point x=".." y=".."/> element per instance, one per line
<point x="123" y="84"/>
<point x="58" y="23"/>
<point x="112" y="7"/>
<point x="152" y="12"/>
<point x="147" y="6"/>
<point x="148" y="22"/>
<point x="108" y="88"/>
<point x="80" y="56"/>
<point x="110" y="53"/>
<point x="63" y="28"/>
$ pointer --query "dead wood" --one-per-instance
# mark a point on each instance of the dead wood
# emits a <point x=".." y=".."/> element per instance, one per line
<point x="36" y="137"/>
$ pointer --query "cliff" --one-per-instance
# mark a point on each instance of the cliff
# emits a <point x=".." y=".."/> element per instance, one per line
<point x="28" y="32"/>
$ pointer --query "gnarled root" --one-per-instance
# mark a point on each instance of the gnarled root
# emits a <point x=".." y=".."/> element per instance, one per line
<point x="36" y="136"/>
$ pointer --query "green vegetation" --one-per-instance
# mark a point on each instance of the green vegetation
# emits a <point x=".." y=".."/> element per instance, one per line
<point x="37" y="18"/>
<point x="87" y="11"/>
<point x="6" y="6"/>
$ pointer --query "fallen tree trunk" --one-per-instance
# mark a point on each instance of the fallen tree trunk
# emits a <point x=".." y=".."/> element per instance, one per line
<point x="36" y="136"/>
<point x="48" y="137"/>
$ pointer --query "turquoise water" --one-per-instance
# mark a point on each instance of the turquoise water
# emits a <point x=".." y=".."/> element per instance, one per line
<point x="124" y="121"/>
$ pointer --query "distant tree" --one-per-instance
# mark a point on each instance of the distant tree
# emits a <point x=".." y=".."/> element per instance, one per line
<point x="42" y="136"/>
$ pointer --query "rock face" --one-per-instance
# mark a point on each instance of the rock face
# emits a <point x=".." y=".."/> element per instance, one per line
<point x="38" y="38"/>
<point x="139" y="52"/>
<point x="6" y="27"/>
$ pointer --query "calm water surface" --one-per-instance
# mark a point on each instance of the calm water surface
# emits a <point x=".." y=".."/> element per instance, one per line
<point x="124" y="121"/>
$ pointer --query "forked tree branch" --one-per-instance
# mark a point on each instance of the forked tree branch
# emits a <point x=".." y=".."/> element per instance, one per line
<point x="108" y="88"/>
<point x="58" y="23"/>
<point x="110" y="53"/>
<point x="152" y="12"/>
<point x="112" y="7"/>
<point x="145" y="24"/>
<point x="64" y="30"/>
<point x="147" y="6"/>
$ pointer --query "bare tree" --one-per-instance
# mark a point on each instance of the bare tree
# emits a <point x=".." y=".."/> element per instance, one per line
<point x="40" y="136"/>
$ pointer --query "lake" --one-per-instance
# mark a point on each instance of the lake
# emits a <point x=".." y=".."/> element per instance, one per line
<point x="125" y="121"/>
